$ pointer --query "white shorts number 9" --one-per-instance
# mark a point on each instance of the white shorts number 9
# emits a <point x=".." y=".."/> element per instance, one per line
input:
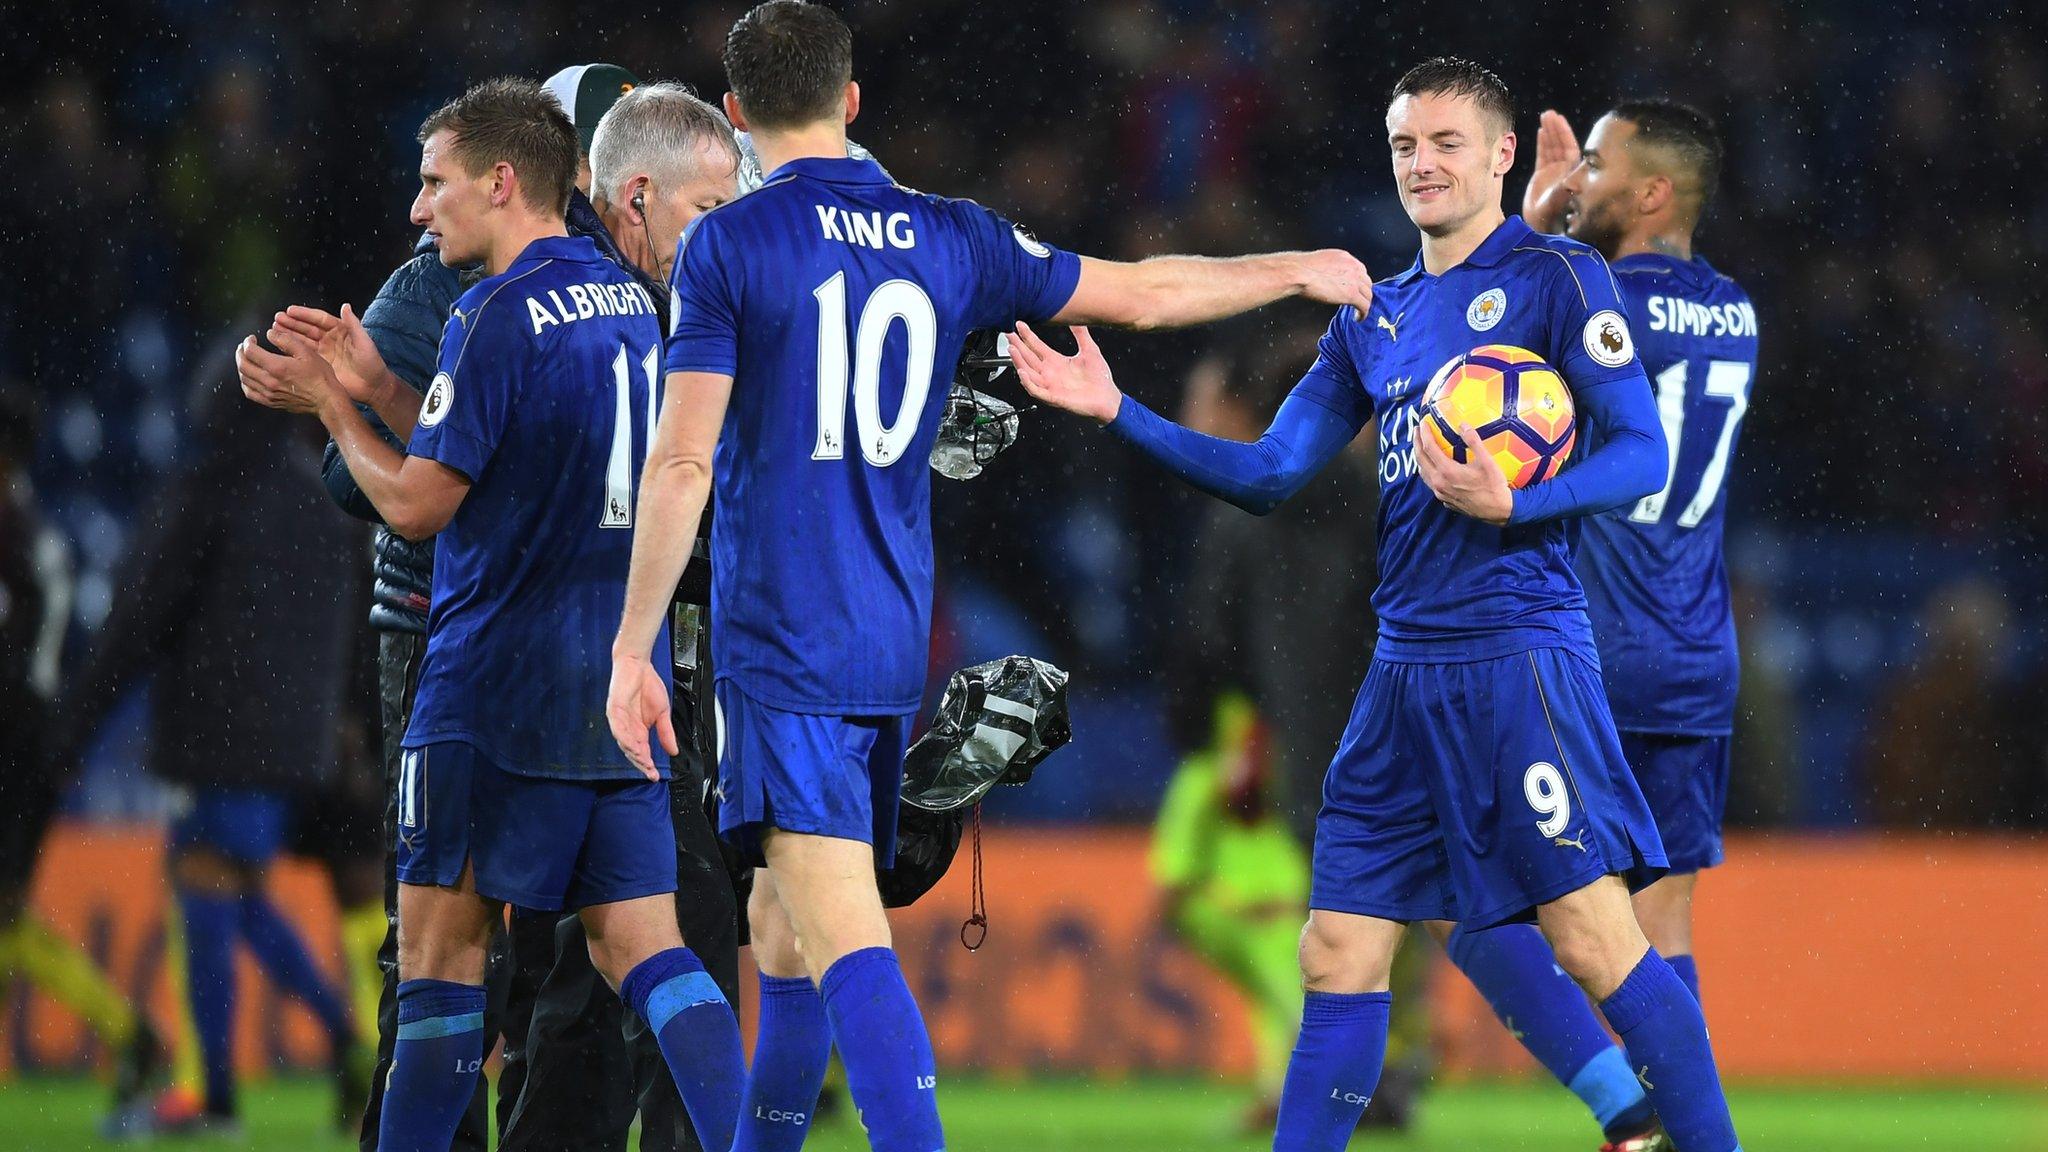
<point x="1543" y="786"/>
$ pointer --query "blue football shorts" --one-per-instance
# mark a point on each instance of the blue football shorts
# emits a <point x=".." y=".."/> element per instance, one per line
<point x="245" y="825"/>
<point x="1685" y="779"/>
<point x="821" y="775"/>
<point x="1477" y="791"/>
<point x="536" y="842"/>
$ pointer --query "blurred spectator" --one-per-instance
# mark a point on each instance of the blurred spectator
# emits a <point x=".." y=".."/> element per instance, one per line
<point x="240" y="602"/>
<point x="1948" y="747"/>
<point x="1277" y="606"/>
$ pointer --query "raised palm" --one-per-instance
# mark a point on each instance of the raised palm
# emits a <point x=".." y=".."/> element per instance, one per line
<point x="1080" y="383"/>
<point x="1557" y="153"/>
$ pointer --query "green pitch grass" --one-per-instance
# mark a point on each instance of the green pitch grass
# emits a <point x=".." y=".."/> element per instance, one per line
<point x="1177" y="1116"/>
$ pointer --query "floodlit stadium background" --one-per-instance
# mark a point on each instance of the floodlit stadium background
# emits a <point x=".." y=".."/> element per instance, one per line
<point x="179" y="168"/>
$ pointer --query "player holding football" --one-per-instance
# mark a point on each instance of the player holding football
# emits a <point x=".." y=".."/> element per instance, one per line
<point x="1656" y="587"/>
<point x="827" y="281"/>
<point x="521" y="458"/>
<point x="1480" y="778"/>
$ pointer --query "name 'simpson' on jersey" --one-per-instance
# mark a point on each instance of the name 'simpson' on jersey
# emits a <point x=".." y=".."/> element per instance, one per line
<point x="587" y="300"/>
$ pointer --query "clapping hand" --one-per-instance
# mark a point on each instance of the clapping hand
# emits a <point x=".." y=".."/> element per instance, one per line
<point x="341" y="341"/>
<point x="294" y="379"/>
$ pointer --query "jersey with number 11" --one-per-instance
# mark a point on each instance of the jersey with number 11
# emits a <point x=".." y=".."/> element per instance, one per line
<point x="545" y="400"/>
<point x="838" y="302"/>
<point x="1656" y="584"/>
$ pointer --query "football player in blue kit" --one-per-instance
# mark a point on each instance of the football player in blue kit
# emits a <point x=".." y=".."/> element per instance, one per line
<point x="1480" y="779"/>
<point x="1656" y="587"/>
<point x="1656" y="582"/>
<point x="522" y="456"/>
<point x="811" y="317"/>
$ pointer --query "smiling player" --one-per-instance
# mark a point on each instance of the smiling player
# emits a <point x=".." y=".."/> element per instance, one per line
<point x="1480" y="778"/>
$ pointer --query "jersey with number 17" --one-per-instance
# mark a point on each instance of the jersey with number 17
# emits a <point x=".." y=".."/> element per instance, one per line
<point x="545" y="399"/>
<point x="1656" y="583"/>
<point x="838" y="302"/>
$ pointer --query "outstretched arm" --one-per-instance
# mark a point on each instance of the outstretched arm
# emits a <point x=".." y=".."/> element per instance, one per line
<point x="673" y="490"/>
<point x="1257" y="477"/>
<point x="1181" y="291"/>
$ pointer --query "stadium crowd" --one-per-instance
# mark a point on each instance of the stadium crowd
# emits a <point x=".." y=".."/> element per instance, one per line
<point x="164" y="194"/>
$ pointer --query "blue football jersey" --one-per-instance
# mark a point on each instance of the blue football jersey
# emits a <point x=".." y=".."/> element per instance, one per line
<point x="1453" y="588"/>
<point x="546" y="394"/>
<point x="1655" y="581"/>
<point x="838" y="302"/>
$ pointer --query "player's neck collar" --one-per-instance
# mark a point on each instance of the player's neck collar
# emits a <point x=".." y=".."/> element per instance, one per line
<point x="832" y="169"/>
<point x="1501" y="241"/>
<point x="556" y="248"/>
<point x="1504" y="238"/>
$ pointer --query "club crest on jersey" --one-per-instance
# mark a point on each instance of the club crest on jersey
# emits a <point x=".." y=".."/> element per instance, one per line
<point x="1029" y="243"/>
<point x="439" y="398"/>
<point x="1486" y="309"/>
<point x="1607" y="339"/>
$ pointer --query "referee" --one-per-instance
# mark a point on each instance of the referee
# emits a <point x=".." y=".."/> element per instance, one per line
<point x="569" y="1081"/>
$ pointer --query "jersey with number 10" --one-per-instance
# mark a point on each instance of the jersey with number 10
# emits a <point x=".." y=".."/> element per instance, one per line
<point x="1656" y="584"/>
<point x="545" y="398"/>
<point x="838" y="302"/>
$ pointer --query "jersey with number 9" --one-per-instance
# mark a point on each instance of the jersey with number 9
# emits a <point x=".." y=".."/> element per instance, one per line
<point x="1656" y="583"/>
<point x="838" y="302"/>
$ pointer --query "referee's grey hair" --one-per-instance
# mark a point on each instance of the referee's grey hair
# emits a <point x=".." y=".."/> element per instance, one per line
<point x="656" y="129"/>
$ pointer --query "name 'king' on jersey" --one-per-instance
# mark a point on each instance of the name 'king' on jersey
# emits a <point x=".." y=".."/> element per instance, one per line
<point x="1453" y="588"/>
<point x="838" y="302"/>
<point x="546" y="395"/>
<point x="1656" y="582"/>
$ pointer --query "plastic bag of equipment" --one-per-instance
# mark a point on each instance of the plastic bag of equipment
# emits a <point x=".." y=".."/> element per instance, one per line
<point x="976" y="427"/>
<point x="994" y="724"/>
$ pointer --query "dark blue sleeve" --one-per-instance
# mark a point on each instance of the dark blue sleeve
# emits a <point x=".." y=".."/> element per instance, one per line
<point x="1629" y="464"/>
<point x="463" y="416"/>
<point x="1257" y="477"/>
<point x="704" y="332"/>
<point x="1016" y="277"/>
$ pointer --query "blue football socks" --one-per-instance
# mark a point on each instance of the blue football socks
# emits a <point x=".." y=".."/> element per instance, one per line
<point x="1689" y="971"/>
<point x="285" y="960"/>
<point x="1334" y="1070"/>
<point x="1515" y="970"/>
<point x="434" y="1066"/>
<point x="792" y="1045"/>
<point x="210" y="923"/>
<point x="1660" y="1024"/>
<point x="699" y="1037"/>
<point x="881" y="1037"/>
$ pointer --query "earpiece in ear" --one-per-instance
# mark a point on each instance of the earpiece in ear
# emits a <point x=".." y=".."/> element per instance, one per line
<point x="639" y="202"/>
